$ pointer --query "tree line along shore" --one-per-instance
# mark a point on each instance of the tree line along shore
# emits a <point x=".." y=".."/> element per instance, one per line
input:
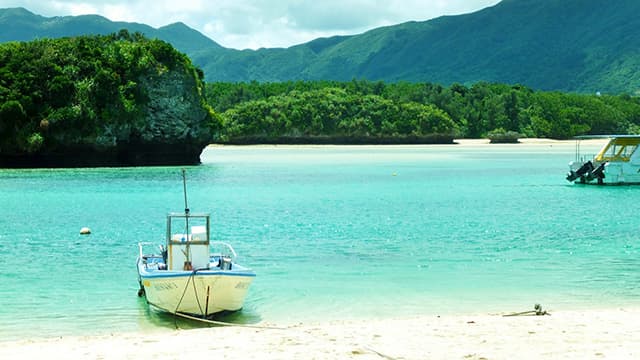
<point x="124" y="99"/>
<point x="361" y="111"/>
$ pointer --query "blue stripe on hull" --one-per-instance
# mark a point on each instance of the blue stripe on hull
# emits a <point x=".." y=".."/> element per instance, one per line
<point x="147" y="275"/>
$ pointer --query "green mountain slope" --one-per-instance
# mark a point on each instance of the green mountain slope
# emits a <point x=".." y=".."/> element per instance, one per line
<point x="569" y="45"/>
<point x="19" y="24"/>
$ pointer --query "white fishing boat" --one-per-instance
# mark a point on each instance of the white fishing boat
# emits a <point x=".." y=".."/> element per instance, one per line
<point x="617" y="163"/>
<point x="190" y="274"/>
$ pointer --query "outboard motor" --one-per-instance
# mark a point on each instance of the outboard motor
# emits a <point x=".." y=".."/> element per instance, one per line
<point x="597" y="173"/>
<point x="586" y="168"/>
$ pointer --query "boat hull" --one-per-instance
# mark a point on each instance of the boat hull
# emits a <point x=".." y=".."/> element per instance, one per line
<point x="200" y="292"/>
<point x="621" y="174"/>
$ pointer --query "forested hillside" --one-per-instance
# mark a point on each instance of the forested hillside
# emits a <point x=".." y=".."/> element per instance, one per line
<point x="567" y="45"/>
<point x="376" y="112"/>
<point x="125" y="99"/>
<point x="584" y="46"/>
<point x="19" y="24"/>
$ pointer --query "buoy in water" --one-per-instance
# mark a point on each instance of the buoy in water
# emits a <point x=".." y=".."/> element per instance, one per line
<point x="85" y="231"/>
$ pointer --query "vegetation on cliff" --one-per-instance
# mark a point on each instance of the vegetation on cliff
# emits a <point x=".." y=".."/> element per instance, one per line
<point x="376" y="112"/>
<point x="98" y="100"/>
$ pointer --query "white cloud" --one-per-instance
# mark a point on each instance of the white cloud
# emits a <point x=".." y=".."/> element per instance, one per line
<point x="257" y="23"/>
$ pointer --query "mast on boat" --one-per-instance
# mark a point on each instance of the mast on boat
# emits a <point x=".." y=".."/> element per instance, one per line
<point x="187" y="252"/>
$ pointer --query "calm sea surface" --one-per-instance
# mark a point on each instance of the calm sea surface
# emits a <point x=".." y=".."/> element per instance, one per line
<point x="332" y="233"/>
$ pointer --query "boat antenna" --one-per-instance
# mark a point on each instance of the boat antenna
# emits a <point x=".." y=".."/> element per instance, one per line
<point x="187" y="253"/>
<point x="184" y="189"/>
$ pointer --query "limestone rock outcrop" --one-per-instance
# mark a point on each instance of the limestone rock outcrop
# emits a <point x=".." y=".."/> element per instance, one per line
<point x="116" y="100"/>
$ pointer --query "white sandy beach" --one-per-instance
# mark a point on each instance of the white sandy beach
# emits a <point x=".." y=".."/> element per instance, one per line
<point x="530" y="141"/>
<point x="542" y="142"/>
<point x="594" y="334"/>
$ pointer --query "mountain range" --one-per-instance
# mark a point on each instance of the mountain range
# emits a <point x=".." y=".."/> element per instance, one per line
<point x="567" y="45"/>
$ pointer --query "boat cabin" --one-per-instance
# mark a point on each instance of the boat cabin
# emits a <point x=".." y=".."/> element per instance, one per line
<point x="618" y="149"/>
<point x="188" y="241"/>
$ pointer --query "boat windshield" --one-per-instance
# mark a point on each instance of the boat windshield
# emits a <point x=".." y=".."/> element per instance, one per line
<point x="618" y="149"/>
<point x="192" y="228"/>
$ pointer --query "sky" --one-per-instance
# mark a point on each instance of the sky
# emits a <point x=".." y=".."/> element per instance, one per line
<point x="253" y="24"/>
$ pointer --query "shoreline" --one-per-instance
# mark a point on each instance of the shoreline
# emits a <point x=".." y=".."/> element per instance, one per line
<point x="570" y="332"/>
<point x="456" y="143"/>
<point x="592" y="334"/>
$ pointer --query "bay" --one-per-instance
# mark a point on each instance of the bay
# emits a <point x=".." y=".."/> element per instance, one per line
<point x="332" y="232"/>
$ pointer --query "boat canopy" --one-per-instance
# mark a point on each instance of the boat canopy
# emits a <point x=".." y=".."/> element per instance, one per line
<point x="587" y="137"/>
<point x="619" y="149"/>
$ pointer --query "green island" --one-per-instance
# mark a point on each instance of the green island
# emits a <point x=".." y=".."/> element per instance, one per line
<point x="123" y="99"/>
<point x="113" y="100"/>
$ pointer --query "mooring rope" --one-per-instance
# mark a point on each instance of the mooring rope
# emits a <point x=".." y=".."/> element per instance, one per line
<point x="203" y="318"/>
<point x="222" y="323"/>
<point x="186" y="286"/>
<point x="195" y="291"/>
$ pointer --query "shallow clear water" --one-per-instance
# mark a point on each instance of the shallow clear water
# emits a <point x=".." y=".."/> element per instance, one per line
<point x="332" y="233"/>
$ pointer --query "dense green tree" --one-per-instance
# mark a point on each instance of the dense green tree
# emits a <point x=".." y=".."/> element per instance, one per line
<point x="77" y="91"/>
<point x="351" y="111"/>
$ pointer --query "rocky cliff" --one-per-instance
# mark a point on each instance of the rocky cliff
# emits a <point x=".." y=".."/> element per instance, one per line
<point x="175" y="122"/>
<point x="101" y="101"/>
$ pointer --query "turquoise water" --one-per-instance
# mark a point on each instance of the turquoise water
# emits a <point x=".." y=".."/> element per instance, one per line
<point x="332" y="232"/>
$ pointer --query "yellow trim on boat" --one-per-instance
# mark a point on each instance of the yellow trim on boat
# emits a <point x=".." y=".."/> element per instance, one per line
<point x="618" y="150"/>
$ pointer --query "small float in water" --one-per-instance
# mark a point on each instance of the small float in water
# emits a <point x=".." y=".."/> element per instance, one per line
<point x="192" y="275"/>
<point x="617" y="163"/>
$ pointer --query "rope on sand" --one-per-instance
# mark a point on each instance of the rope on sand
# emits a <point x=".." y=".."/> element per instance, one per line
<point x="537" y="311"/>
<point x="186" y="316"/>
<point x="183" y="315"/>
<point x="379" y="353"/>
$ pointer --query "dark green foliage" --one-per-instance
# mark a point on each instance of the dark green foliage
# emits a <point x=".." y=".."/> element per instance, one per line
<point x="334" y="113"/>
<point x="363" y="111"/>
<point x="77" y="92"/>
<point x="501" y="136"/>
<point x="581" y="46"/>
